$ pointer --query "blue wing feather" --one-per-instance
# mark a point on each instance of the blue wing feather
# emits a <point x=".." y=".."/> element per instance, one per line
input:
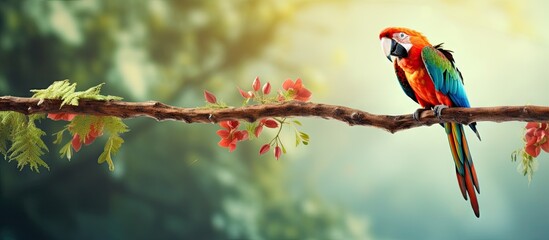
<point x="446" y="77"/>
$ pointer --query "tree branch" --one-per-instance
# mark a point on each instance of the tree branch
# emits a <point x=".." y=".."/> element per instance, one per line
<point x="160" y="111"/>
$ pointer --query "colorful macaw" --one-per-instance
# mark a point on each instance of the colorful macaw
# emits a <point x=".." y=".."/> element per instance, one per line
<point x="428" y="75"/>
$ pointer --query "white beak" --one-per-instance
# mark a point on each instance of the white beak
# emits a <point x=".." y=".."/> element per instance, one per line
<point x="386" y="47"/>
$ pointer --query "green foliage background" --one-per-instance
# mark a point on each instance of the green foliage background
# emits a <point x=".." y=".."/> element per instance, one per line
<point x="172" y="181"/>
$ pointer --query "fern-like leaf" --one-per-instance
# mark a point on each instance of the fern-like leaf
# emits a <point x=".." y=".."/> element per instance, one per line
<point x="81" y="125"/>
<point x="114" y="127"/>
<point x="57" y="90"/>
<point x="59" y="136"/>
<point x="27" y="146"/>
<point x="10" y="123"/>
<point x="66" y="151"/>
<point x="111" y="147"/>
<point x="66" y="91"/>
<point x="13" y="120"/>
<point x="4" y="137"/>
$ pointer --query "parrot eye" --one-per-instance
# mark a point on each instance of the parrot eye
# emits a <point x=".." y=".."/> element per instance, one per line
<point x="402" y="35"/>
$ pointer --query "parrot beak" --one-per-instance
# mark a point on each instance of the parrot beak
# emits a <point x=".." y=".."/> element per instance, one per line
<point x="393" y="48"/>
<point x="386" y="45"/>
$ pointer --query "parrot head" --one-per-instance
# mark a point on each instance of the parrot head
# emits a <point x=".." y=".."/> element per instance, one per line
<point x="398" y="41"/>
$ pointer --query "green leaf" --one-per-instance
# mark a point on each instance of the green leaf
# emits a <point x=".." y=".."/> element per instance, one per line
<point x="27" y="145"/>
<point x="111" y="147"/>
<point x="527" y="166"/>
<point x="297" y="122"/>
<point x="4" y="137"/>
<point x="66" y="91"/>
<point x="66" y="151"/>
<point x="10" y="123"/>
<point x="13" y="120"/>
<point x="57" y="90"/>
<point x="81" y="125"/>
<point x="114" y="127"/>
<point x="304" y="136"/>
<point x="297" y="139"/>
<point x="514" y="155"/>
<point x="59" y="136"/>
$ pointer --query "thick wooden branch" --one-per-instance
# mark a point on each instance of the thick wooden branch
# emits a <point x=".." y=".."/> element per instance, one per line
<point x="160" y="111"/>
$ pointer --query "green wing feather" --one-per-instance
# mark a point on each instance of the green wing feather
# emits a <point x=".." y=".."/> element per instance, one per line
<point x="446" y="77"/>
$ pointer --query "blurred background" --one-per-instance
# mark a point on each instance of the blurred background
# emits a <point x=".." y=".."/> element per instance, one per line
<point x="172" y="181"/>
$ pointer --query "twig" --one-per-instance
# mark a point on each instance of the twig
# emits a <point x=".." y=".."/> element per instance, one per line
<point x="160" y="111"/>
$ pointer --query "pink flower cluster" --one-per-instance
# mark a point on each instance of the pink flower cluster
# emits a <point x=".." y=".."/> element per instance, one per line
<point x="230" y="133"/>
<point x="536" y="138"/>
<point x="296" y="90"/>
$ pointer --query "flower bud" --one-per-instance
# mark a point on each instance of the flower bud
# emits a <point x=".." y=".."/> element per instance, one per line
<point x="270" y="123"/>
<point x="277" y="152"/>
<point x="210" y="97"/>
<point x="265" y="148"/>
<point x="256" y="84"/>
<point x="266" y="88"/>
<point x="246" y="95"/>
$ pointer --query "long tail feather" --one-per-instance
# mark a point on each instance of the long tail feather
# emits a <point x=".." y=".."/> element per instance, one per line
<point x="473" y="127"/>
<point x="465" y="170"/>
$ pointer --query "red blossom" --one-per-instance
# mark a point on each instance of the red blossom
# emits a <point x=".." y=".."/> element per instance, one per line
<point x="76" y="143"/>
<point x="265" y="148"/>
<point x="230" y="135"/>
<point x="244" y="94"/>
<point x="297" y="90"/>
<point x="536" y="138"/>
<point x="270" y="123"/>
<point x="532" y="150"/>
<point x="95" y="131"/>
<point x="210" y="97"/>
<point x="256" y="84"/>
<point x="267" y="88"/>
<point x="267" y="122"/>
<point x="93" y="134"/>
<point x="61" y="116"/>
<point x="258" y="130"/>
<point x="277" y="152"/>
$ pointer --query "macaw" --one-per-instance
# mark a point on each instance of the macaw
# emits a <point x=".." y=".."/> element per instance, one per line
<point x="428" y="75"/>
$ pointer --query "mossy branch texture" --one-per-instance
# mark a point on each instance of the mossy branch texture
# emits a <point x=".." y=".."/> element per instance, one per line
<point x="391" y="123"/>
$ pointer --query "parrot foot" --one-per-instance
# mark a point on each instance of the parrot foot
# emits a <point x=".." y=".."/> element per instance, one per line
<point x="418" y="112"/>
<point x="438" y="110"/>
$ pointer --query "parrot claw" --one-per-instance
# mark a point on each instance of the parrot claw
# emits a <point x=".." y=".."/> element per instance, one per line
<point x="418" y="112"/>
<point x="438" y="110"/>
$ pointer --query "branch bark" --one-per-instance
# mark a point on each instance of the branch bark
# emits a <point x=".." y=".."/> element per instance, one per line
<point x="391" y="123"/>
